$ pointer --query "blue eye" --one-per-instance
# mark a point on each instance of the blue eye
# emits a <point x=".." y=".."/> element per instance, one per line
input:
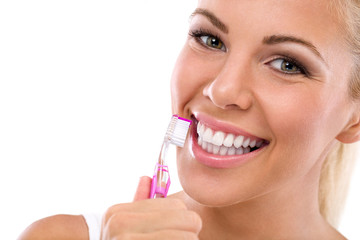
<point x="288" y="66"/>
<point x="208" y="40"/>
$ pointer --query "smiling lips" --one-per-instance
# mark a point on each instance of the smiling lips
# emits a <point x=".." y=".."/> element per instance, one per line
<point x="221" y="143"/>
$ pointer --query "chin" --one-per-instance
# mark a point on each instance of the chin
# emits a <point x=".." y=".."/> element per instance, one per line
<point x="209" y="189"/>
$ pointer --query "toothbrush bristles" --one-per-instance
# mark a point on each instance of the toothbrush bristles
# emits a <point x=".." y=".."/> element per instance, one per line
<point x="177" y="130"/>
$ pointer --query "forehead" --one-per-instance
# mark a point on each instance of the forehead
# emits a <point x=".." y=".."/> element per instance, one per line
<point x="278" y="14"/>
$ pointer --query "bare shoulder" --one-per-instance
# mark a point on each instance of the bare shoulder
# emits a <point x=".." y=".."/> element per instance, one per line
<point x="70" y="227"/>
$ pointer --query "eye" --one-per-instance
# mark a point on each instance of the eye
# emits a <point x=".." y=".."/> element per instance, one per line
<point x="288" y="66"/>
<point x="207" y="39"/>
<point x="212" y="42"/>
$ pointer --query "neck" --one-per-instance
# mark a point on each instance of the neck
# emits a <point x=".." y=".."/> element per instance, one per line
<point x="286" y="213"/>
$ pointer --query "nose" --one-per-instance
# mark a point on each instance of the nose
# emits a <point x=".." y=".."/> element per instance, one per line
<point x="231" y="88"/>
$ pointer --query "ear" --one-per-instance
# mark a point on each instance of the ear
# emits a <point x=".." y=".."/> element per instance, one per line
<point x="351" y="133"/>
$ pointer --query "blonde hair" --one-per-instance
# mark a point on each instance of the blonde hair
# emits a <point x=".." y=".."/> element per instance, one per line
<point x="336" y="170"/>
<point x="334" y="181"/>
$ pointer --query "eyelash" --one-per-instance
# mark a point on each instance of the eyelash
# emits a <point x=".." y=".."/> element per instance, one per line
<point x="197" y="34"/>
<point x="294" y="61"/>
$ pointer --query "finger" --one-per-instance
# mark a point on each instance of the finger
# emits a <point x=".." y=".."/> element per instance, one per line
<point x="149" y="205"/>
<point x="143" y="189"/>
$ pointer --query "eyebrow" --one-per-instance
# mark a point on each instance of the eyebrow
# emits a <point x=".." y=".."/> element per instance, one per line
<point x="269" y="40"/>
<point x="212" y="18"/>
<point x="276" y="39"/>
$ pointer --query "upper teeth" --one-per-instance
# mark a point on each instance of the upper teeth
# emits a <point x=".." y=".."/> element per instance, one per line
<point x="218" y="142"/>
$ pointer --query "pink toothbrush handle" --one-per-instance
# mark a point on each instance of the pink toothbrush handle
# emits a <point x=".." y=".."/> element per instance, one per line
<point x="160" y="187"/>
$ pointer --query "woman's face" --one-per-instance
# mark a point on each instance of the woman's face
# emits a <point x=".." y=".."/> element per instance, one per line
<point x="274" y="72"/>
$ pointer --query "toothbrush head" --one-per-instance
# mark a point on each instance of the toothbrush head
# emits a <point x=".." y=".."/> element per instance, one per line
<point x="177" y="130"/>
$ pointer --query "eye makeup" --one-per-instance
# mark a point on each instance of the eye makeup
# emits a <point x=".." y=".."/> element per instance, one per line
<point x="292" y="65"/>
<point x="208" y="39"/>
<point x="292" y="62"/>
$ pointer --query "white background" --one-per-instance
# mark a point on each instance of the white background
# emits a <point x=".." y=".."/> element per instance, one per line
<point x="84" y="104"/>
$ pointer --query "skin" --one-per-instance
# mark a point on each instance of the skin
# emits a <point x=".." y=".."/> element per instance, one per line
<point x="302" y="116"/>
<point x="126" y="221"/>
<point x="57" y="227"/>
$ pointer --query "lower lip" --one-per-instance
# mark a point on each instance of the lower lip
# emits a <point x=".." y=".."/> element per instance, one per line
<point x="218" y="161"/>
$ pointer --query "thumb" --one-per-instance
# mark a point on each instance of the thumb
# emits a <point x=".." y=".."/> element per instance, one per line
<point x="143" y="189"/>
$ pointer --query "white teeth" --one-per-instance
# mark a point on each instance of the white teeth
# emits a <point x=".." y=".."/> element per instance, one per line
<point x="200" y="141"/>
<point x="204" y="145"/>
<point x="239" y="151"/>
<point x="201" y="130"/>
<point x="198" y="127"/>
<point x="208" y="135"/>
<point x="218" y="138"/>
<point x="209" y="147"/>
<point x="229" y="140"/>
<point x="224" y="143"/>
<point x="252" y="143"/>
<point x="238" y="141"/>
<point x="246" y="143"/>
<point x="216" y="149"/>
<point x="231" y="151"/>
<point x="223" y="150"/>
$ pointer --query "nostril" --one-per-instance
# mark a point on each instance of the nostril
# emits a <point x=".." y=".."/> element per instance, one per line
<point x="232" y="107"/>
<point x="219" y="95"/>
<point x="228" y="96"/>
<point x="244" y="100"/>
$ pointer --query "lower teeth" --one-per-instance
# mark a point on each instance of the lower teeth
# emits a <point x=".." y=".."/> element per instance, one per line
<point x="222" y="150"/>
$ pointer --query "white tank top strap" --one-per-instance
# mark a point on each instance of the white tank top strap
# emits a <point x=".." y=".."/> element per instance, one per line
<point x="93" y="222"/>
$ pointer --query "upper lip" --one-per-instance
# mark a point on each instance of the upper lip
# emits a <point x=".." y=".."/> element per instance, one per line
<point x="219" y="125"/>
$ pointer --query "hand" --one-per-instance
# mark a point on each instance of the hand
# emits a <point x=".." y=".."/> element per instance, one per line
<point x="157" y="219"/>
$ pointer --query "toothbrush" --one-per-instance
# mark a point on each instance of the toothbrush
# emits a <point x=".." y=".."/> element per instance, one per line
<point x="175" y="134"/>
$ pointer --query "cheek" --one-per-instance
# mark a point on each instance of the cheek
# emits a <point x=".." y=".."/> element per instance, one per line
<point x="191" y="73"/>
<point x="183" y="84"/>
<point x="297" y="142"/>
<point x="292" y="116"/>
<point x="304" y="121"/>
